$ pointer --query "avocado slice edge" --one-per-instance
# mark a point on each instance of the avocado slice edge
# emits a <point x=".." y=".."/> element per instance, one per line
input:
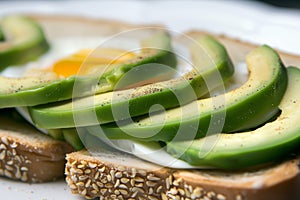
<point x="271" y="142"/>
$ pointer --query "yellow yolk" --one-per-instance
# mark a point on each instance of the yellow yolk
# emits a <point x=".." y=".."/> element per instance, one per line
<point x="88" y="58"/>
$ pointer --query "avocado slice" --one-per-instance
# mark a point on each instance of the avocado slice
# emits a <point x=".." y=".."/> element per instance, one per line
<point x="30" y="91"/>
<point x="138" y="101"/>
<point x="24" y="40"/>
<point x="1" y="35"/>
<point x="271" y="142"/>
<point x="248" y="106"/>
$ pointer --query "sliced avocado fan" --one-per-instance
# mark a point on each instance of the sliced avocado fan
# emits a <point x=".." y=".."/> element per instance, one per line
<point x="248" y="106"/>
<point x="120" y="105"/>
<point x="271" y="142"/>
<point x="30" y="91"/>
<point x="21" y="40"/>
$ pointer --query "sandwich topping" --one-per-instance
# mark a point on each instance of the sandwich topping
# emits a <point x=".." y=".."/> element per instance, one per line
<point x="188" y="125"/>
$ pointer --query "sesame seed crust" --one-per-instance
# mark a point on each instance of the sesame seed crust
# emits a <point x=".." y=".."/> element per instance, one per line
<point x="27" y="155"/>
<point x="111" y="178"/>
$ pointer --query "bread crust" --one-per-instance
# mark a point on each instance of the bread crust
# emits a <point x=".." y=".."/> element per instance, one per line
<point x="115" y="175"/>
<point x="28" y="155"/>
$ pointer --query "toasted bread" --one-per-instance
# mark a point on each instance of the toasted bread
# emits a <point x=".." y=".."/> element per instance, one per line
<point x="28" y="155"/>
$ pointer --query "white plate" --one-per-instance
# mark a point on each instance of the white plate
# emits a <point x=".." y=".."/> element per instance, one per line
<point x="245" y="20"/>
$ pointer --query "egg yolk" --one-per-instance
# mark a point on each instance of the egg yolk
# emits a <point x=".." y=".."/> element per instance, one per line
<point x="89" y="58"/>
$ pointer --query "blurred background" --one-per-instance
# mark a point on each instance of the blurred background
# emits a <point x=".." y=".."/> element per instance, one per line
<point x="283" y="3"/>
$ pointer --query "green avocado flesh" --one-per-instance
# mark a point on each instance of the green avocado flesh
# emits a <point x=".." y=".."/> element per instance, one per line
<point x="248" y="106"/>
<point x="119" y="105"/>
<point x="21" y="40"/>
<point x="30" y="91"/>
<point x="1" y="35"/>
<point x="272" y="141"/>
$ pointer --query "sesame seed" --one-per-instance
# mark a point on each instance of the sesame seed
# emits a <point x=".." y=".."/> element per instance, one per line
<point x="150" y="191"/>
<point x="18" y="159"/>
<point x="108" y="178"/>
<point x="80" y="166"/>
<point x="78" y="171"/>
<point x="88" y="183"/>
<point x="117" y="183"/>
<point x="83" y="192"/>
<point x="132" y="182"/>
<point x="170" y="179"/>
<point x="206" y="198"/>
<point x="13" y="145"/>
<point x="18" y="173"/>
<point x="103" y="191"/>
<point x="24" y="177"/>
<point x="164" y="196"/>
<point x="14" y="152"/>
<point x="124" y="180"/>
<point x="139" y="185"/>
<point x="112" y="173"/>
<point x="99" y="184"/>
<point x="97" y="175"/>
<point x="2" y="147"/>
<point x="173" y="191"/>
<point x="94" y="191"/>
<point x="121" y="168"/>
<point x="138" y="179"/>
<point x="87" y="171"/>
<point x="238" y="197"/>
<point x="140" y="190"/>
<point x="95" y="187"/>
<point x="123" y="192"/>
<point x="27" y="161"/>
<point x="221" y="197"/>
<point x="24" y="169"/>
<point x="102" y="169"/>
<point x="158" y="190"/>
<point x="80" y="184"/>
<point x="123" y="186"/>
<point x="211" y="194"/>
<point x="134" y="194"/>
<point x="117" y="192"/>
<point x="83" y="162"/>
<point x="167" y="183"/>
<point x="74" y="162"/>
<point x="4" y="140"/>
<point x="10" y="162"/>
<point x="109" y="185"/>
<point x="181" y="192"/>
<point x="133" y="172"/>
<point x="2" y="155"/>
<point x="150" y="183"/>
<point x="118" y="175"/>
<point x="153" y="178"/>
<point x="72" y="186"/>
<point x="152" y="197"/>
<point x="92" y="165"/>
<point x="9" y="168"/>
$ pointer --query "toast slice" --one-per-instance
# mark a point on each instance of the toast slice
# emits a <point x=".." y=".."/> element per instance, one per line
<point x="26" y="154"/>
<point x="116" y="175"/>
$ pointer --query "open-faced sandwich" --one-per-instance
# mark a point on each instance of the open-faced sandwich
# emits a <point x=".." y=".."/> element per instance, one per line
<point x="153" y="114"/>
